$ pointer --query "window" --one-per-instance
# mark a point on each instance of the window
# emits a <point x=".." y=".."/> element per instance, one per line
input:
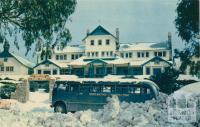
<point x="49" y="56"/>
<point x="57" y="57"/>
<point x="73" y="57"/>
<point x="102" y="53"/>
<point x="65" y="57"/>
<point x="148" y="71"/>
<point x="92" y="42"/>
<point x="164" y="53"/>
<point x="99" y="42"/>
<point x="2" y="68"/>
<point x="80" y="55"/>
<point x="107" y="53"/>
<point x="107" y="89"/>
<point x="39" y="71"/>
<point x="54" y="72"/>
<point x="77" y="56"/>
<point x="142" y="54"/>
<point x="5" y="59"/>
<point x="88" y="54"/>
<point x="130" y="54"/>
<point x="138" y="54"/>
<point x="147" y="54"/>
<point x="11" y="68"/>
<point x="111" y="53"/>
<point x="126" y="55"/>
<point x="63" y="71"/>
<point x="92" y="54"/>
<point x="61" y="57"/>
<point x="96" y="53"/>
<point x="7" y="68"/>
<point x="107" y="42"/>
<point x="47" y="72"/>
<point x="122" y="55"/>
<point x="160" y="54"/>
<point x="155" y="54"/>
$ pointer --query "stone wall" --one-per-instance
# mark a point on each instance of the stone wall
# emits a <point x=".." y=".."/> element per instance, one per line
<point x="22" y="92"/>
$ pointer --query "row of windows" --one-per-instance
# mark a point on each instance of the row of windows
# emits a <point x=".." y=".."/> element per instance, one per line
<point x="64" y="57"/>
<point x="55" y="72"/>
<point x="143" y="54"/>
<point x="103" y="54"/>
<point x="105" y="89"/>
<point x="160" y="53"/>
<point x="8" y="68"/>
<point x="107" y="42"/>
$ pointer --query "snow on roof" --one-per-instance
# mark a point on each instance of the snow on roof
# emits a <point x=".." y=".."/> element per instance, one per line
<point x="191" y="88"/>
<point x="23" y="60"/>
<point x="138" y="63"/>
<point x="117" y="61"/>
<point x="187" y="77"/>
<point x="70" y="49"/>
<point x="14" y="77"/>
<point x="80" y="61"/>
<point x="60" y="64"/>
<point x="139" y="46"/>
<point x="65" y="77"/>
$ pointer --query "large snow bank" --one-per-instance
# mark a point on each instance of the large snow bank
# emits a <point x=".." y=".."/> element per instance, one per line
<point x="115" y="114"/>
<point x="191" y="88"/>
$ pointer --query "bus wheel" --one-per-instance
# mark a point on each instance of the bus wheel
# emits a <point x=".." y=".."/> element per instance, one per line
<point x="60" y="107"/>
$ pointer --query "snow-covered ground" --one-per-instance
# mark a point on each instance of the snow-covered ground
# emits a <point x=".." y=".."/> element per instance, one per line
<point x="38" y="102"/>
<point x="37" y="113"/>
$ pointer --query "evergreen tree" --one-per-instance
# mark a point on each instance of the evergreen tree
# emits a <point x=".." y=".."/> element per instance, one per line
<point x="36" y="19"/>
<point x="187" y="24"/>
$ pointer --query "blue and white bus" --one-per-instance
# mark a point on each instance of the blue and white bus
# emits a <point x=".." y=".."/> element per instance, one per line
<point x="84" y="93"/>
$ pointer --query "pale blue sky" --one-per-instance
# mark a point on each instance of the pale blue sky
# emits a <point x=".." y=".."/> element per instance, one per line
<point x="137" y="20"/>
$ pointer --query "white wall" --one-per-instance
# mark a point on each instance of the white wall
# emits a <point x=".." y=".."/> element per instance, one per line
<point x="100" y="48"/>
<point x="135" y="57"/>
<point x="19" y="69"/>
<point x="43" y="67"/>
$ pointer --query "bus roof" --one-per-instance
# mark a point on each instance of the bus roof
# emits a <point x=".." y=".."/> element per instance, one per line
<point x="110" y="78"/>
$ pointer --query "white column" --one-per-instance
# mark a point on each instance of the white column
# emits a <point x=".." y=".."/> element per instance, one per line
<point x="144" y="70"/>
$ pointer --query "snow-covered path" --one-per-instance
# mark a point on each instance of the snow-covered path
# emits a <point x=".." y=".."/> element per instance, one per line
<point x="38" y="102"/>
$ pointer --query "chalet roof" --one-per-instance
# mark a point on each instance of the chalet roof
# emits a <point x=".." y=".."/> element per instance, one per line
<point x="99" y="30"/>
<point x="23" y="61"/>
<point x="58" y="64"/>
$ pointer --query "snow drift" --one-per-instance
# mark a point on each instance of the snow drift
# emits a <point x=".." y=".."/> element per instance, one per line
<point x="115" y="114"/>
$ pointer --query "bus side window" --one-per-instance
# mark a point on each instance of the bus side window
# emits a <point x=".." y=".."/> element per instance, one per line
<point x="96" y="89"/>
<point x="131" y="90"/>
<point x="67" y="88"/>
<point x="107" y="89"/>
<point x="137" y="90"/>
<point x="85" y="89"/>
<point x="74" y="88"/>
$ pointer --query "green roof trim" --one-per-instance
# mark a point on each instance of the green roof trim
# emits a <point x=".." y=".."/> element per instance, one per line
<point x="46" y="62"/>
<point x="156" y="58"/>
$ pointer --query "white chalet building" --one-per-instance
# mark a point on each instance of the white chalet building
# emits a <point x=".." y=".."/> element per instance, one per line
<point x="12" y="64"/>
<point x="102" y="54"/>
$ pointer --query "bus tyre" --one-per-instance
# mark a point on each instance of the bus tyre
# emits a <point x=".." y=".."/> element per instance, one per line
<point x="60" y="107"/>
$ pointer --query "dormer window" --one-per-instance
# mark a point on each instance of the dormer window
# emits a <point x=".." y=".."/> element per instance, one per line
<point x="92" y="42"/>
<point x="5" y="59"/>
<point x="107" y="42"/>
<point x="99" y="42"/>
